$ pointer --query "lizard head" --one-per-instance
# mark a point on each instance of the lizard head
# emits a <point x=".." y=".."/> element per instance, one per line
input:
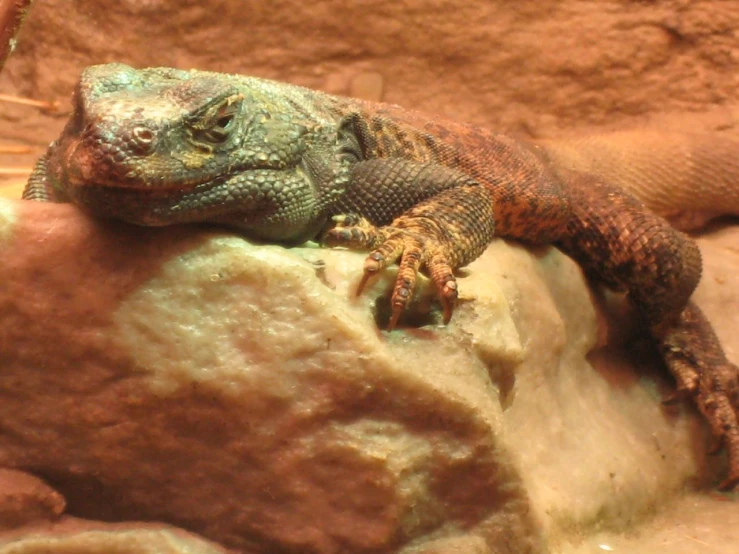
<point x="159" y="146"/>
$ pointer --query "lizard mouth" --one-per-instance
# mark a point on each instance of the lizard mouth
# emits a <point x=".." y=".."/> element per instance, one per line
<point x="237" y="201"/>
<point x="151" y="191"/>
<point x="263" y="200"/>
<point x="95" y="179"/>
<point x="83" y="170"/>
<point x="154" y="206"/>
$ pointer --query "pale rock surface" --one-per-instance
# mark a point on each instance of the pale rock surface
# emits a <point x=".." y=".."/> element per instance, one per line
<point x="193" y="378"/>
<point x="75" y="536"/>
<point x="694" y="524"/>
<point x="240" y="392"/>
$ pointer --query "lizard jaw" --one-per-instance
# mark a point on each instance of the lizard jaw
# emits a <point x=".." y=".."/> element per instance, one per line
<point x="266" y="204"/>
<point x="78" y="167"/>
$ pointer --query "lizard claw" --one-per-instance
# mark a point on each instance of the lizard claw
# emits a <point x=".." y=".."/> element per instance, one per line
<point x="677" y="396"/>
<point x="716" y="398"/>
<point x="372" y="266"/>
<point x="410" y="249"/>
<point x="716" y="444"/>
<point x="729" y="483"/>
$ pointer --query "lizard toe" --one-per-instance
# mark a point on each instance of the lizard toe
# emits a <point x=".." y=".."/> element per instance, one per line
<point x="352" y="231"/>
<point x="716" y="399"/>
<point x="445" y="282"/>
<point x="405" y="248"/>
<point x="413" y="251"/>
<point x="730" y="482"/>
<point x="410" y="249"/>
<point x="694" y="356"/>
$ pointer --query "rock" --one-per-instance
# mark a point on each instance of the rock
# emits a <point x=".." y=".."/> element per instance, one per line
<point x="248" y="400"/>
<point x="540" y="69"/>
<point x="74" y="536"/>
<point x="239" y="391"/>
<point x="25" y="500"/>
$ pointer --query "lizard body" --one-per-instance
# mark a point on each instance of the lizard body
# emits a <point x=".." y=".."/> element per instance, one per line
<point x="282" y="163"/>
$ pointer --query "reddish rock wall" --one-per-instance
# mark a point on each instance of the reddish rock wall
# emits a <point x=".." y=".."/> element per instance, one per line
<point x="539" y="68"/>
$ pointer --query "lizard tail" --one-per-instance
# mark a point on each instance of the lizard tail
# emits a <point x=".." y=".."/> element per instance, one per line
<point x="688" y="178"/>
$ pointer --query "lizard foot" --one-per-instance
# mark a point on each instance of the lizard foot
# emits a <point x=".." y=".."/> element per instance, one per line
<point x="694" y="356"/>
<point x="411" y="249"/>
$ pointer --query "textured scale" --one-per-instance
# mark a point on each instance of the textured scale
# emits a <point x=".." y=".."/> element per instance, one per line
<point x="282" y="163"/>
<point x="687" y="178"/>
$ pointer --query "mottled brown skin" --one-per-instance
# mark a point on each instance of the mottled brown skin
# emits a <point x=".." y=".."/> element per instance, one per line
<point x="286" y="164"/>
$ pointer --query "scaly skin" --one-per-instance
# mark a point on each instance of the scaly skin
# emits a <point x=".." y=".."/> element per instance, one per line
<point x="663" y="170"/>
<point x="282" y="163"/>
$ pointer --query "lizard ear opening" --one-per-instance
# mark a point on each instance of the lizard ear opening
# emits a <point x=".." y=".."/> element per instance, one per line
<point x="349" y="145"/>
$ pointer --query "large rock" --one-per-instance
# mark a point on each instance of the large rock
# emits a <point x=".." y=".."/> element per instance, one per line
<point x="26" y="500"/>
<point x="74" y="536"/>
<point x="239" y="391"/>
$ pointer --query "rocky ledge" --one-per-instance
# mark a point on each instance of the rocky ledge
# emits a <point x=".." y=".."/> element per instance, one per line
<point x="239" y="396"/>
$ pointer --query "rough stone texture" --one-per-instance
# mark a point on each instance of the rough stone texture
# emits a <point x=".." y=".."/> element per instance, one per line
<point x="204" y="404"/>
<point x="25" y="500"/>
<point x="535" y="68"/>
<point x="76" y="536"/>
<point x="159" y="374"/>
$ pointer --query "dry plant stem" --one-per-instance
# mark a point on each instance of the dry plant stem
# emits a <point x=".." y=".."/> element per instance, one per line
<point x="43" y="104"/>
<point x="12" y="13"/>
<point x="15" y="149"/>
<point x="15" y="170"/>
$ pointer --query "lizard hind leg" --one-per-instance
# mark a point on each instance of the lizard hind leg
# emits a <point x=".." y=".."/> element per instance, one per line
<point x="620" y="242"/>
<point x="693" y="353"/>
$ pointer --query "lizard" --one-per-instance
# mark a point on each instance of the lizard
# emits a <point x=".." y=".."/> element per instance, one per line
<point x="285" y="164"/>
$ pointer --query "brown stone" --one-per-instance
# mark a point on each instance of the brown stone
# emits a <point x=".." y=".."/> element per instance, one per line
<point x="77" y="536"/>
<point x="26" y="500"/>
<point x="194" y="379"/>
<point x="538" y="68"/>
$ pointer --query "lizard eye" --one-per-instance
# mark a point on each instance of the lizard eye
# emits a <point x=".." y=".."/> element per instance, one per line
<point x="221" y="128"/>
<point x="216" y="123"/>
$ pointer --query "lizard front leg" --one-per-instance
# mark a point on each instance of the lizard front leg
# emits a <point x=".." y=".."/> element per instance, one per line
<point x="423" y="216"/>
<point x="38" y="187"/>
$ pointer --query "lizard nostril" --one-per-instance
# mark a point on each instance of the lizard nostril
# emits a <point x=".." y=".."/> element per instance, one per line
<point x="143" y="135"/>
<point x="142" y="139"/>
